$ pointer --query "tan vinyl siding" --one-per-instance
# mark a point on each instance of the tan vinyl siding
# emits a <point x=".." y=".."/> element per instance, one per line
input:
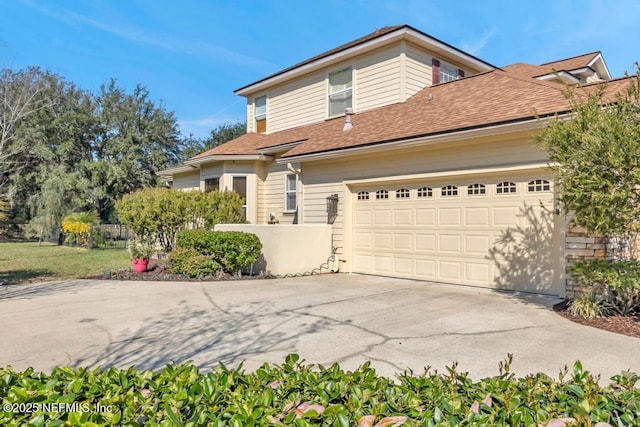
<point x="377" y="79"/>
<point x="298" y="103"/>
<point x="315" y="204"/>
<point x="251" y="125"/>
<point x="271" y="198"/>
<point x="212" y="170"/>
<point x="187" y="181"/>
<point x="417" y="70"/>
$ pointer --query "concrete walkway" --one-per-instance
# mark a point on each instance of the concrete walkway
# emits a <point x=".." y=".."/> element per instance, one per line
<point x="396" y="324"/>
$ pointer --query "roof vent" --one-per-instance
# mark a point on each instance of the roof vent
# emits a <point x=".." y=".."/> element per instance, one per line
<point x="430" y="96"/>
<point x="347" y="124"/>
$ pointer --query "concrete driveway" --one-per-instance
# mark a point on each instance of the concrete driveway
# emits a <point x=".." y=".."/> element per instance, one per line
<point x="396" y="324"/>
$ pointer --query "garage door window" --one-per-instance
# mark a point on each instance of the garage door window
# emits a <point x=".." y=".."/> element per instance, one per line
<point x="538" y="185"/>
<point x="425" y="192"/>
<point x="505" y="187"/>
<point x="382" y="194"/>
<point x="449" y="191"/>
<point x="402" y="193"/>
<point x="363" y="195"/>
<point x="476" y="189"/>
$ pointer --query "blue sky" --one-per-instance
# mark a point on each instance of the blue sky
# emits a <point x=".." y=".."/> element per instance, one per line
<point x="192" y="54"/>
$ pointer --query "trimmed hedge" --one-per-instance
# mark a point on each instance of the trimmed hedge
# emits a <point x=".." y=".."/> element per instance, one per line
<point x="233" y="250"/>
<point x="307" y="395"/>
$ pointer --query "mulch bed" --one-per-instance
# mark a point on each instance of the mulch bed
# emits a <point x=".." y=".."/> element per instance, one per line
<point x="157" y="271"/>
<point x="619" y="324"/>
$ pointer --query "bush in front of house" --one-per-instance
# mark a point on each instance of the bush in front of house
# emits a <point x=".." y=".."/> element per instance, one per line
<point x="191" y="263"/>
<point x="299" y="394"/>
<point x="158" y="214"/>
<point x="232" y="250"/>
<point x="614" y="287"/>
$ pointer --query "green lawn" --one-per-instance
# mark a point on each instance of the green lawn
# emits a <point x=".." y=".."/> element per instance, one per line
<point x="28" y="262"/>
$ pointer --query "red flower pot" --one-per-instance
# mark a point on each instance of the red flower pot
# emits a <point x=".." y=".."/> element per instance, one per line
<point x="140" y="264"/>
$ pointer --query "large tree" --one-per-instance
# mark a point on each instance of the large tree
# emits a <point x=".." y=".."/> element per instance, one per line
<point x="191" y="146"/>
<point x="596" y="154"/>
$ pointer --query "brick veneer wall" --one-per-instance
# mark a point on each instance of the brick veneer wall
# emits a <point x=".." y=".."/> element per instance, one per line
<point x="579" y="245"/>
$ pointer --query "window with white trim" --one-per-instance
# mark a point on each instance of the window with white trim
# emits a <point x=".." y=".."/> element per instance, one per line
<point x="363" y="195"/>
<point x="403" y="193"/>
<point x="260" y="114"/>
<point x="239" y="185"/>
<point x="382" y="194"/>
<point x="340" y="94"/>
<point x="448" y="72"/>
<point x="291" y="192"/>
<point x="449" y="191"/>
<point x="476" y="189"/>
<point x="505" y="187"/>
<point x="538" y="185"/>
<point x="425" y="192"/>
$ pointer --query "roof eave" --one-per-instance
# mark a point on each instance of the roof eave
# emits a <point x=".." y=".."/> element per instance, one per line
<point x="177" y="169"/>
<point x="524" y="124"/>
<point x="399" y="34"/>
<point x="224" y="157"/>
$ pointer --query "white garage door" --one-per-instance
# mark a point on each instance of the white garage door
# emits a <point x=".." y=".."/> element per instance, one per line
<point x="496" y="232"/>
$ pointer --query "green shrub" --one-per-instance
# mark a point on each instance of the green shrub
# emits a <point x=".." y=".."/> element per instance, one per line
<point x="590" y="305"/>
<point x="232" y="249"/>
<point x="307" y="395"/>
<point x="190" y="262"/>
<point x="158" y="214"/>
<point x="617" y="281"/>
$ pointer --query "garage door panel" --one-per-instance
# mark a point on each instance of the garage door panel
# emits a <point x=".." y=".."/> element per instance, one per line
<point x="403" y="266"/>
<point x="425" y="242"/>
<point x="450" y="216"/>
<point x="363" y="240"/>
<point x="477" y="216"/>
<point x="507" y="215"/>
<point x="450" y="243"/>
<point x="382" y="263"/>
<point x="363" y="263"/>
<point x="451" y="270"/>
<point x="382" y="217"/>
<point x="426" y="268"/>
<point x="382" y="240"/>
<point x="402" y="241"/>
<point x="478" y="272"/>
<point x="403" y="217"/>
<point x="362" y="217"/>
<point x="425" y="216"/>
<point x="477" y="244"/>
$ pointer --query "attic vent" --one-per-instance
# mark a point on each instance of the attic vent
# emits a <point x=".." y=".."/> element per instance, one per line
<point x="347" y="124"/>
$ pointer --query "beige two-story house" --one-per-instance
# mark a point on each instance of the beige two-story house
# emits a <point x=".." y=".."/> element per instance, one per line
<point x="422" y="158"/>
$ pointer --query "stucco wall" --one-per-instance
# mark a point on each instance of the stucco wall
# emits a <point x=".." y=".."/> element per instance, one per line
<point x="288" y="249"/>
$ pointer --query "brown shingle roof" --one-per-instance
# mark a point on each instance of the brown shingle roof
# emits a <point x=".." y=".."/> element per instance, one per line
<point x="245" y="144"/>
<point x="573" y="63"/>
<point x="491" y="98"/>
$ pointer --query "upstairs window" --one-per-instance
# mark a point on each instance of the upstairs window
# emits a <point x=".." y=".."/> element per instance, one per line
<point x="340" y="92"/>
<point x="448" y="72"/>
<point x="260" y="114"/>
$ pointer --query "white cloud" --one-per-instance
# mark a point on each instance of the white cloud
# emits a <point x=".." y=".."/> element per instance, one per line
<point x="141" y="36"/>
<point x="474" y="47"/>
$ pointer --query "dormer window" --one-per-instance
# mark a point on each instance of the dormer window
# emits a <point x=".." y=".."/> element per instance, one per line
<point x="340" y="92"/>
<point x="260" y="114"/>
<point x="448" y="72"/>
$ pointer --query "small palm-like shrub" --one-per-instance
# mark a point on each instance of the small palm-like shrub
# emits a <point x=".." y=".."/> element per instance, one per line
<point x="589" y="305"/>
